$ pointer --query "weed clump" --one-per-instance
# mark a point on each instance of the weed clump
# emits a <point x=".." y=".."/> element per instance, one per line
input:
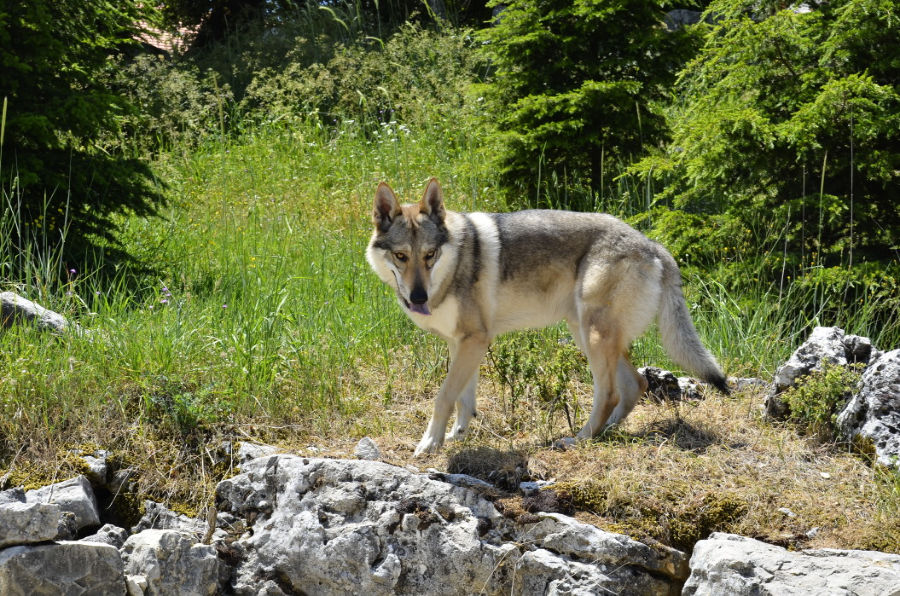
<point x="667" y="517"/>
<point x="713" y="513"/>
<point x="817" y="399"/>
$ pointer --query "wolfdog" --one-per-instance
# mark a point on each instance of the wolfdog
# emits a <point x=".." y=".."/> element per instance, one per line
<point x="469" y="277"/>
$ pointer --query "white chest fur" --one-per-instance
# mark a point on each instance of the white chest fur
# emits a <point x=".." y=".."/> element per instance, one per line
<point x="443" y="320"/>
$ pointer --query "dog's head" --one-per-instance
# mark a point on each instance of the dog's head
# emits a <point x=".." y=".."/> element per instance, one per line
<point x="406" y="245"/>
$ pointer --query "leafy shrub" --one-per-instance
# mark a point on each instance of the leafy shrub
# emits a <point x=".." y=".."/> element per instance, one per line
<point x="176" y="104"/>
<point x="817" y="399"/>
<point x="416" y="76"/>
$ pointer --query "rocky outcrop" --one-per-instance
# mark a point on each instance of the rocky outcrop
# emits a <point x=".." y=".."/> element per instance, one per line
<point x="738" y="566"/>
<point x="332" y="527"/>
<point x="290" y="525"/>
<point x="825" y="345"/>
<point x="874" y="412"/>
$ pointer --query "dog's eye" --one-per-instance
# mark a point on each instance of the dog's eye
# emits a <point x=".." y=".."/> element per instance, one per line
<point x="400" y="257"/>
<point x="429" y="255"/>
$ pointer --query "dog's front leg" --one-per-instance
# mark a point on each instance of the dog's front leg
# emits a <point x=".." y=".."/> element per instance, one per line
<point x="463" y="367"/>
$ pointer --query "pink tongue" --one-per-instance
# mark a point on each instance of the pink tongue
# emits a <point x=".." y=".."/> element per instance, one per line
<point x="422" y="309"/>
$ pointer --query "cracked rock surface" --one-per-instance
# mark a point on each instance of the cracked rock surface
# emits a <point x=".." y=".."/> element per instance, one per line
<point x="336" y="526"/>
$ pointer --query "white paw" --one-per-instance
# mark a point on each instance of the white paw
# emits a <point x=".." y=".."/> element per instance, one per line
<point x="428" y="444"/>
<point x="457" y="433"/>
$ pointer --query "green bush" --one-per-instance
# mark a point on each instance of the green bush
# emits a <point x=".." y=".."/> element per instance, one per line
<point x="816" y="399"/>
<point x="417" y="76"/>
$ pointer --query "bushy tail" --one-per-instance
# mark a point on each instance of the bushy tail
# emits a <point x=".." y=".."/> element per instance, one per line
<point x="679" y="337"/>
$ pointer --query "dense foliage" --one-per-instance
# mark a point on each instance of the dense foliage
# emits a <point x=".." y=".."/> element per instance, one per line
<point x="55" y="167"/>
<point x="579" y="84"/>
<point x="759" y="145"/>
<point x="784" y="148"/>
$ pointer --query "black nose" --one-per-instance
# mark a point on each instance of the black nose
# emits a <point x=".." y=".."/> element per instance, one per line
<point x="418" y="296"/>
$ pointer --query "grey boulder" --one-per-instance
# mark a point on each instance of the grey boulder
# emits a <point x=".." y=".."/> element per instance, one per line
<point x="324" y="527"/>
<point x="738" y="566"/>
<point x="171" y="562"/>
<point x="874" y="412"/>
<point x="27" y="523"/>
<point x="74" y="496"/>
<point x="14" y="309"/>
<point x="825" y="345"/>
<point x="70" y="568"/>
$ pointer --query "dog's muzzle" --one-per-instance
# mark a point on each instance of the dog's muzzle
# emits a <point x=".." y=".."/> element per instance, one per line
<point x="418" y="302"/>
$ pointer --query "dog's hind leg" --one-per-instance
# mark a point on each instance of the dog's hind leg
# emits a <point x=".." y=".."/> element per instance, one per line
<point x="465" y="410"/>
<point x="603" y="349"/>
<point x="463" y="369"/>
<point x="631" y="385"/>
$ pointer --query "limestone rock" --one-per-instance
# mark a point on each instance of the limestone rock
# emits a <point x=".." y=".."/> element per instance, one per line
<point x="248" y="451"/>
<point x="874" y="411"/>
<point x="14" y="308"/>
<point x="136" y="584"/>
<point x="171" y="563"/>
<point x="27" y="523"/>
<point x="12" y="495"/>
<point x="576" y="557"/>
<point x="735" y="565"/>
<point x="71" y="568"/>
<point x="98" y="467"/>
<point x="74" y="495"/>
<point x="662" y="385"/>
<point x="159" y="517"/>
<point x="337" y="526"/>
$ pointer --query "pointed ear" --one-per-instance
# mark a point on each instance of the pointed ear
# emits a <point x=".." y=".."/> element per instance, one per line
<point x="386" y="207"/>
<point x="432" y="203"/>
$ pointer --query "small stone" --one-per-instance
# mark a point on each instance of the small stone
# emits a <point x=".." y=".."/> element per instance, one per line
<point x="136" y="584"/>
<point x="367" y="449"/>
<point x="787" y="512"/>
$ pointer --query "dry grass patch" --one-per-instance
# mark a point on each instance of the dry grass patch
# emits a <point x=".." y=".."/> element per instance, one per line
<point x="672" y="473"/>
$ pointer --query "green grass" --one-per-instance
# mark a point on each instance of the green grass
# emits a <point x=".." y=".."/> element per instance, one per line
<point x="260" y="319"/>
<point x="260" y="305"/>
